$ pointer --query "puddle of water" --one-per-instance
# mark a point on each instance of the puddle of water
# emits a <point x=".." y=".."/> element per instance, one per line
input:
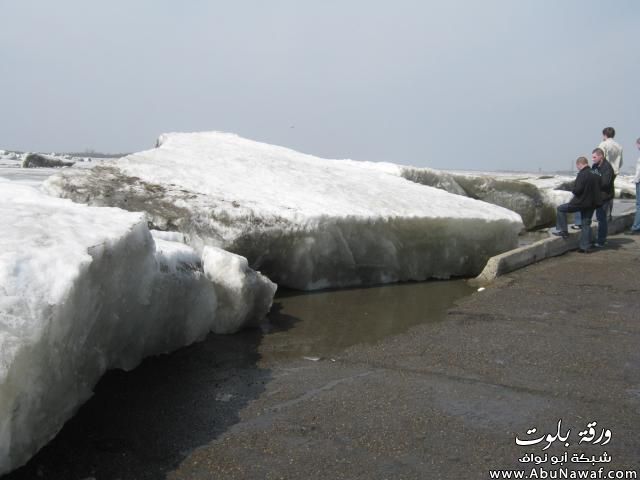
<point x="321" y="323"/>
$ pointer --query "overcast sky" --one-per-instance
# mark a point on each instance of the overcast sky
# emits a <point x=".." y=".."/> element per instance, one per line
<point x="486" y="85"/>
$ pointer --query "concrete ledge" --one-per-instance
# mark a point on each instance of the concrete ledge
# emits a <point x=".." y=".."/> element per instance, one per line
<point x="549" y="247"/>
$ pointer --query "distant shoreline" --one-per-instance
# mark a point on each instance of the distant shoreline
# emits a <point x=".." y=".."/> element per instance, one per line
<point x="74" y="154"/>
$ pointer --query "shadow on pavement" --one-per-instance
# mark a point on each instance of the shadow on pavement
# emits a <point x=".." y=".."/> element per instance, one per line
<point x="617" y="243"/>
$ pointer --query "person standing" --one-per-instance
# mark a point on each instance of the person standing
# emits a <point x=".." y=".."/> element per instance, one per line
<point x="635" y="228"/>
<point x="613" y="154"/>
<point x="603" y="168"/>
<point x="612" y="149"/>
<point x="586" y="198"/>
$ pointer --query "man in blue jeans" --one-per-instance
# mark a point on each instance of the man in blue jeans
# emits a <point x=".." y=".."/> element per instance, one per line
<point x="602" y="167"/>
<point x="586" y="198"/>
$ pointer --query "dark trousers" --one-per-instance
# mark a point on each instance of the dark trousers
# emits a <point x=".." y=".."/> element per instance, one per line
<point x="586" y="214"/>
<point x="602" y="215"/>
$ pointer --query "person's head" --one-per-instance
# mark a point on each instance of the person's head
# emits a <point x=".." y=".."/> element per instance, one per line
<point x="638" y="143"/>
<point x="597" y="156"/>
<point x="581" y="163"/>
<point x="608" y="132"/>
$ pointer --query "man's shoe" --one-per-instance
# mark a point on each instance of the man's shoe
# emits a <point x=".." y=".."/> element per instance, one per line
<point x="582" y="250"/>
<point x="635" y="232"/>
<point x="576" y="227"/>
<point x="598" y="245"/>
<point x="561" y="234"/>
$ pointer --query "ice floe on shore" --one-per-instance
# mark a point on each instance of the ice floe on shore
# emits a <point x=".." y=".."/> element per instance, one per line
<point x="533" y="197"/>
<point x="85" y="289"/>
<point x="39" y="160"/>
<point x="306" y="222"/>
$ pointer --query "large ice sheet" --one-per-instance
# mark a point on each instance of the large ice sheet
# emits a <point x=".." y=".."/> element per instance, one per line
<point x="533" y="197"/>
<point x="535" y="202"/>
<point x="556" y="188"/>
<point x="306" y="222"/>
<point x="84" y="289"/>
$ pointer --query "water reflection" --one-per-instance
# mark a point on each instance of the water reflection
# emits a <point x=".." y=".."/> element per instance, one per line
<point x="322" y="323"/>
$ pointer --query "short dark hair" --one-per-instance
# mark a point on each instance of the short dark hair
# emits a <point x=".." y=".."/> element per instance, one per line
<point x="582" y="161"/>
<point x="609" y="132"/>
<point x="598" y="151"/>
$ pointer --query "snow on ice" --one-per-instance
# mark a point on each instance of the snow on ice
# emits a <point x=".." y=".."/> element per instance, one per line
<point x="306" y="222"/>
<point x="85" y="289"/>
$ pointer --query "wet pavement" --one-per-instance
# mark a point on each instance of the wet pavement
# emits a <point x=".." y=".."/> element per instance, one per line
<point x="441" y="399"/>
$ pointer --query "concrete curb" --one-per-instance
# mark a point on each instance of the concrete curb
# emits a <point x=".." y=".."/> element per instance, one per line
<point x="549" y="247"/>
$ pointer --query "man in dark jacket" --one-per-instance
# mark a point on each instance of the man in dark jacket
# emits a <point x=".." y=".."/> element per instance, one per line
<point x="586" y="198"/>
<point x="602" y="167"/>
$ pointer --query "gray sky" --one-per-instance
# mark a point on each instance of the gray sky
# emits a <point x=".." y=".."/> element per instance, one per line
<point x="488" y="85"/>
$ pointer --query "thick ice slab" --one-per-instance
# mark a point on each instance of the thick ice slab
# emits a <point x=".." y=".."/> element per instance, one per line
<point x="306" y="222"/>
<point x="85" y="289"/>
<point x="533" y="197"/>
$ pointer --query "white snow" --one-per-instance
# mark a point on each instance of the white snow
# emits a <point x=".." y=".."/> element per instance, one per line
<point x="85" y="289"/>
<point x="169" y="236"/>
<point x="557" y="197"/>
<point x="306" y="222"/>
<point x="284" y="182"/>
<point x="243" y="295"/>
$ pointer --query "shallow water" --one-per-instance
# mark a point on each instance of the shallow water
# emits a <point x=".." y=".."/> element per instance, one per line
<point x="321" y="323"/>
